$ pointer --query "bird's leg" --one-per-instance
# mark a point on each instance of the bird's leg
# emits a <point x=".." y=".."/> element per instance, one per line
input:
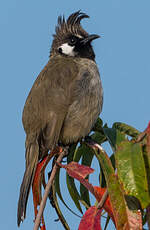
<point x="39" y="178"/>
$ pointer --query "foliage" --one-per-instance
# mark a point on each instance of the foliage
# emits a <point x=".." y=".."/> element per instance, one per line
<point x="125" y="175"/>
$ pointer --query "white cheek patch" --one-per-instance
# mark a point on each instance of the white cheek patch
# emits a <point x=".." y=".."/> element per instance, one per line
<point x="67" y="49"/>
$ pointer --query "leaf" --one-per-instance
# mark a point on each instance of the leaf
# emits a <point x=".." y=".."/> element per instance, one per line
<point x="135" y="220"/>
<point x="147" y="155"/>
<point x="114" y="137"/>
<point x="148" y="216"/>
<point x="70" y="181"/>
<point x="98" y="137"/>
<point x="79" y="172"/>
<point x="91" y="219"/>
<point x="148" y="140"/>
<point x="71" y="152"/>
<point x="73" y="192"/>
<point x="76" y="170"/>
<point x="58" y="191"/>
<point x="107" y="205"/>
<point x="127" y="129"/>
<point x="98" y="125"/>
<point x="115" y="192"/>
<point x="82" y="150"/>
<point x="36" y="189"/>
<point x="131" y="171"/>
<point x="57" y="208"/>
<point x="78" y="153"/>
<point x="86" y="160"/>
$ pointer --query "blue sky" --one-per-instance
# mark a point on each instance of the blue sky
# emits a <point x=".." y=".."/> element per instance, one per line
<point x="123" y="58"/>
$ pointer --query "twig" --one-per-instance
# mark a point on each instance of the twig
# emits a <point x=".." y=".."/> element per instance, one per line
<point x="102" y="201"/>
<point x="47" y="190"/>
<point x="141" y="136"/>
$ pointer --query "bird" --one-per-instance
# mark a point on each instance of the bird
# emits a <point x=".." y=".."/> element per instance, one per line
<point x="65" y="100"/>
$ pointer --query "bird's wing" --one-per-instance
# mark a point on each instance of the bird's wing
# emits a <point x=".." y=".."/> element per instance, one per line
<point x="49" y="99"/>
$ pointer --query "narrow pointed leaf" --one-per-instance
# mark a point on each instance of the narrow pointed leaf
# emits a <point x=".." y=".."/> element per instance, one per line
<point x="58" y="191"/>
<point x="107" y="205"/>
<point x="73" y="192"/>
<point x="131" y="171"/>
<point x="114" y="137"/>
<point x="98" y="125"/>
<point x="147" y="155"/>
<point x="115" y="192"/>
<point x="57" y="208"/>
<point x="69" y="180"/>
<point x="98" y="137"/>
<point x="71" y="152"/>
<point x="86" y="160"/>
<point x="127" y="129"/>
<point x="148" y="142"/>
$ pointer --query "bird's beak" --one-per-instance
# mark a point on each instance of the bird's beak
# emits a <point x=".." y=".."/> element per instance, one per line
<point x="89" y="38"/>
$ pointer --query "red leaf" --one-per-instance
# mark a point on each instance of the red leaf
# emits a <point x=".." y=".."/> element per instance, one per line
<point x="76" y="170"/>
<point x="36" y="186"/>
<point x="148" y="138"/>
<point x="135" y="219"/>
<point x="107" y="205"/>
<point x="148" y="128"/>
<point x="79" y="172"/>
<point x="91" y="219"/>
<point x="36" y="189"/>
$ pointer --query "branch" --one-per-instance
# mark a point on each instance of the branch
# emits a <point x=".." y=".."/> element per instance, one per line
<point x="47" y="190"/>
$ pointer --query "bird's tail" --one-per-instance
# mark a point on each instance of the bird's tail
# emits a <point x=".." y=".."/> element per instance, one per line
<point x="32" y="153"/>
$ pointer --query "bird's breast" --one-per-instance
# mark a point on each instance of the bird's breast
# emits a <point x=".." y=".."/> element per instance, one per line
<point x="86" y="104"/>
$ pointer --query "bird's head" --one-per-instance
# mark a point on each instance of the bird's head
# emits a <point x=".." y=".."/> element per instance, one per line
<point x="71" y="39"/>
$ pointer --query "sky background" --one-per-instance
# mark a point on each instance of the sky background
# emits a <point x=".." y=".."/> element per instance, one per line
<point x="123" y="58"/>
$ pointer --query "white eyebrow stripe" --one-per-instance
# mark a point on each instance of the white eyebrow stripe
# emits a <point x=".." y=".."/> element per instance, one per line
<point x="79" y="36"/>
<point x="67" y="49"/>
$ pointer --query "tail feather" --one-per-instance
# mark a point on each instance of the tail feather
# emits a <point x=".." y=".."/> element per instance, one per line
<point x="32" y="153"/>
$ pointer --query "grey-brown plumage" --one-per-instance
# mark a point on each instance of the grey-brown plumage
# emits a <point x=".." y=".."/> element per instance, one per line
<point x="65" y="100"/>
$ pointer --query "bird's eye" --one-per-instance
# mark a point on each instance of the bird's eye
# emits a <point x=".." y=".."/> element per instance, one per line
<point x="60" y="50"/>
<point x="73" y="40"/>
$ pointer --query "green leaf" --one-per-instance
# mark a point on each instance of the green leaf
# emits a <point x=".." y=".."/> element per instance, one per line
<point x="57" y="208"/>
<point x="86" y="160"/>
<point x="114" y="137"/>
<point x="98" y="137"/>
<point x="131" y="171"/>
<point x="73" y="192"/>
<point x="78" y="154"/>
<point x="114" y="189"/>
<point x="98" y="125"/>
<point x="146" y="154"/>
<point x="127" y="129"/>
<point x="58" y="191"/>
<point x="73" y="153"/>
<point x="70" y="181"/>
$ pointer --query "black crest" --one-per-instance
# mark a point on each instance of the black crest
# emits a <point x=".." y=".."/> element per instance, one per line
<point x="71" y="25"/>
